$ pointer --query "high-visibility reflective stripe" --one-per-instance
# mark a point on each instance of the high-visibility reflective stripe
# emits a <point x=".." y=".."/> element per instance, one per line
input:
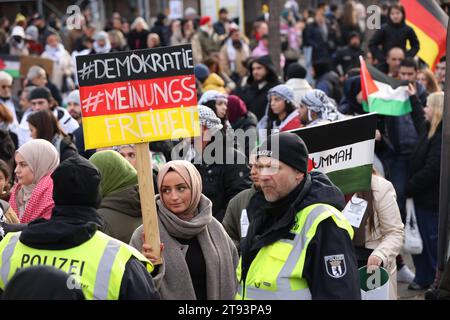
<point x="284" y="291"/>
<point x="6" y="257"/>
<point x="285" y="274"/>
<point x="260" y="294"/>
<point x="105" y="269"/>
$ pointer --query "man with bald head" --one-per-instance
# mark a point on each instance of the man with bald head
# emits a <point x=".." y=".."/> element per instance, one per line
<point x="394" y="58"/>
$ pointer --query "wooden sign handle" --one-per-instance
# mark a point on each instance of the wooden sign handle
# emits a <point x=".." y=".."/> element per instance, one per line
<point x="147" y="196"/>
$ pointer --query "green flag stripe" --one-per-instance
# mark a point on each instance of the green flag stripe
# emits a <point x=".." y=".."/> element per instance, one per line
<point x="352" y="180"/>
<point x="13" y="72"/>
<point x="387" y="107"/>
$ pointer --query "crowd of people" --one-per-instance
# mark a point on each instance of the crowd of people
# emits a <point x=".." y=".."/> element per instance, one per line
<point x="261" y="227"/>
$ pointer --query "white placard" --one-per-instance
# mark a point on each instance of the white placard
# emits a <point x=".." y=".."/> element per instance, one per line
<point x="244" y="223"/>
<point x="354" y="210"/>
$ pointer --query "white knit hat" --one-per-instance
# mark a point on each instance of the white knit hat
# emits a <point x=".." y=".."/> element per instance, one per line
<point x="74" y="97"/>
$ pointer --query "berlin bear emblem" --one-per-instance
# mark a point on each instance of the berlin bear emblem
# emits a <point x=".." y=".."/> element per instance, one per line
<point x="335" y="265"/>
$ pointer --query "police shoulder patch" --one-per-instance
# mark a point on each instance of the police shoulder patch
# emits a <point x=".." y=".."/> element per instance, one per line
<point x="335" y="265"/>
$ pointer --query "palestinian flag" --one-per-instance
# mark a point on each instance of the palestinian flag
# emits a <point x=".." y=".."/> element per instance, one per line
<point x="343" y="150"/>
<point x="429" y="22"/>
<point x="383" y="94"/>
<point x="10" y="64"/>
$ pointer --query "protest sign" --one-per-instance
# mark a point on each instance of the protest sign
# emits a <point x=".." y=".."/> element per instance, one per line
<point x="26" y="62"/>
<point x="343" y="150"/>
<point x="137" y="97"/>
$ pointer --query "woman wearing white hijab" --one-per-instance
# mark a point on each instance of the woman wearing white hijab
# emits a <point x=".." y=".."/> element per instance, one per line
<point x="31" y="196"/>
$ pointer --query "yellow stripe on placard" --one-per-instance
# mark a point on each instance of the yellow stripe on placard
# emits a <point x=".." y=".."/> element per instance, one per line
<point x="138" y="127"/>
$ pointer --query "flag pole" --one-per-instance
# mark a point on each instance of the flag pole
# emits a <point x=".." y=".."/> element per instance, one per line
<point x="444" y="204"/>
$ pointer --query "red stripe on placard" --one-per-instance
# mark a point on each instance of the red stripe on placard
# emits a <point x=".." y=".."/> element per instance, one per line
<point x="138" y="96"/>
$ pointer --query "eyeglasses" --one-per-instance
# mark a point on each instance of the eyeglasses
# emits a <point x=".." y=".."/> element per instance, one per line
<point x="5" y="86"/>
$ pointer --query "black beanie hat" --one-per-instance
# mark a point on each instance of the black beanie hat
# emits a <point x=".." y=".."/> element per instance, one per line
<point x="76" y="182"/>
<point x="295" y="71"/>
<point x="40" y="93"/>
<point x="292" y="151"/>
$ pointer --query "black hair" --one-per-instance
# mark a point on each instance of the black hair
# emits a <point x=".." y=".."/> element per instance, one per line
<point x="409" y="63"/>
<point x="397" y="6"/>
<point x="7" y="172"/>
<point x="223" y="10"/>
<point x="288" y="107"/>
<point x="4" y="167"/>
<point x="212" y="105"/>
<point x="443" y="59"/>
<point x="321" y="67"/>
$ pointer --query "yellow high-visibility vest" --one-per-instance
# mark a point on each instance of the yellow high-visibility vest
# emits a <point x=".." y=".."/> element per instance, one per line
<point x="276" y="273"/>
<point x="96" y="266"/>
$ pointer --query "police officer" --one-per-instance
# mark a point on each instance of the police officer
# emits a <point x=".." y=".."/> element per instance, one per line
<point x="103" y="267"/>
<point x="299" y="245"/>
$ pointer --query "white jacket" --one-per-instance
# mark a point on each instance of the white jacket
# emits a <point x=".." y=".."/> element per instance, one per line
<point x="300" y="88"/>
<point x="387" y="238"/>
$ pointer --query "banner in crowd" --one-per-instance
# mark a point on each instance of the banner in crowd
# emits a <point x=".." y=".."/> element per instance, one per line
<point x="429" y="22"/>
<point x="26" y="62"/>
<point x="138" y="96"/>
<point x="10" y="64"/>
<point x="343" y="150"/>
<point x="383" y="94"/>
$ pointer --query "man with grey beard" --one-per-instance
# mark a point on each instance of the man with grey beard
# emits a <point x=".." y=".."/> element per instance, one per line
<point x="299" y="245"/>
<point x="74" y="109"/>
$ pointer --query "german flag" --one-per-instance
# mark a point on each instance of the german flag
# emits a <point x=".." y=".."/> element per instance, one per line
<point x="429" y="22"/>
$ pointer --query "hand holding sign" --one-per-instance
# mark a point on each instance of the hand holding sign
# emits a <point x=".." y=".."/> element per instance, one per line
<point x="373" y="263"/>
<point x="137" y="97"/>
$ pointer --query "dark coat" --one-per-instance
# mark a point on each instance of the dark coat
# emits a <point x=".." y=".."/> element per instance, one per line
<point x="7" y="148"/>
<point x="245" y="123"/>
<point x="254" y="94"/>
<point x="323" y="46"/>
<point x="425" y="166"/>
<point x="121" y="213"/>
<point x="79" y="143"/>
<point x="67" y="149"/>
<point x="347" y="31"/>
<point x="221" y="182"/>
<point x="56" y="94"/>
<point x="273" y="222"/>
<point x="163" y="32"/>
<point x="349" y="104"/>
<point x="393" y="35"/>
<point x="331" y="85"/>
<point x="137" y="40"/>
<point x="348" y="58"/>
<point x="71" y="226"/>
